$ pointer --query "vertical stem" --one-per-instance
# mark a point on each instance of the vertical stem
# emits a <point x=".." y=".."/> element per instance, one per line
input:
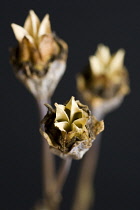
<point x="52" y="183"/>
<point x="48" y="164"/>
<point x="62" y="174"/>
<point x="85" y="196"/>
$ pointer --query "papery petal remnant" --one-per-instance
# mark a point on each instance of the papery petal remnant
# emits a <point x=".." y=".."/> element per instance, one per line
<point x="70" y="129"/>
<point x="38" y="34"/>
<point x="105" y="79"/>
<point x="39" y="51"/>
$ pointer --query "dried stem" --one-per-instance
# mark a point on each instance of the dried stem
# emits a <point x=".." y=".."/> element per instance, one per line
<point x="85" y="196"/>
<point x="62" y="174"/>
<point x="52" y="183"/>
<point x="48" y="160"/>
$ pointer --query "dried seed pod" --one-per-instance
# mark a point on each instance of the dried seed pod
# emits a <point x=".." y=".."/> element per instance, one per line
<point x="104" y="83"/>
<point x="39" y="60"/>
<point x="70" y="129"/>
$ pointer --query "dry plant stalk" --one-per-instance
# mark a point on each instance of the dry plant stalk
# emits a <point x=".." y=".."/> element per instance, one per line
<point x="39" y="61"/>
<point x="70" y="131"/>
<point x="102" y="86"/>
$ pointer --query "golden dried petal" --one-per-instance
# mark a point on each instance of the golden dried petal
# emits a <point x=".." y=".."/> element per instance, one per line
<point x="20" y="33"/>
<point x="46" y="47"/>
<point x="80" y="123"/>
<point x="80" y="133"/>
<point x="117" y="61"/>
<point x="60" y="113"/>
<point x="73" y="107"/>
<point x="96" y="65"/>
<point x="103" y="53"/>
<point x="35" y="23"/>
<point x="24" y="53"/>
<point x="28" y="25"/>
<point x="76" y="128"/>
<point x="36" y="60"/>
<point x="98" y="126"/>
<point x="63" y="126"/>
<point x="45" y="26"/>
<point x="64" y="119"/>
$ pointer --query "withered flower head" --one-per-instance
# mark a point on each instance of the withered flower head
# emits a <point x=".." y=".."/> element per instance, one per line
<point x="105" y="79"/>
<point x="39" y="50"/>
<point x="70" y="129"/>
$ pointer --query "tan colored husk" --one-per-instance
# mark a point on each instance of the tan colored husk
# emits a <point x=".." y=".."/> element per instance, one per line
<point x="40" y="83"/>
<point x="72" y="142"/>
<point x="37" y="43"/>
<point x="39" y="60"/>
<point x="104" y="87"/>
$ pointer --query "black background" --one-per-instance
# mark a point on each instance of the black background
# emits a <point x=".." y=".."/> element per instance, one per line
<point x="83" y="25"/>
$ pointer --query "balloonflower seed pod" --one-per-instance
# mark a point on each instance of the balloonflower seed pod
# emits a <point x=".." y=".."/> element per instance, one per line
<point x="70" y="129"/>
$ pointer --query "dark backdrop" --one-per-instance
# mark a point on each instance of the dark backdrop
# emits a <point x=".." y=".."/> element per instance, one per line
<point x="82" y="24"/>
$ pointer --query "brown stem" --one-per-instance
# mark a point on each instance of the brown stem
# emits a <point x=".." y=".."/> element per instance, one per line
<point x="48" y="164"/>
<point x="85" y="196"/>
<point x="62" y="174"/>
<point x="52" y="183"/>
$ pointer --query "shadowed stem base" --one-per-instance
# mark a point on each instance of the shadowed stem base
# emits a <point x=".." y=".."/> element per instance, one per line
<point x="85" y="195"/>
<point x="52" y="182"/>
